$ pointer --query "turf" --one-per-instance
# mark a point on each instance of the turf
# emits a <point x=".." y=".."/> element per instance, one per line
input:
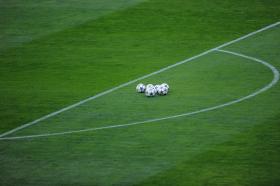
<point x="24" y="21"/>
<point x="59" y="69"/>
<point x="190" y="92"/>
<point x="236" y="145"/>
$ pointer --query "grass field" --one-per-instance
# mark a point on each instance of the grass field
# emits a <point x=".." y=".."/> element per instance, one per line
<point x="54" y="54"/>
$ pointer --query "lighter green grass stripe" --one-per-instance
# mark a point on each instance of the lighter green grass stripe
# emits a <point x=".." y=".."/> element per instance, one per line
<point x="265" y="88"/>
<point x="133" y="81"/>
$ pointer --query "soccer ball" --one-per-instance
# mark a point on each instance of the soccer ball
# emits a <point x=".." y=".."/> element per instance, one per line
<point x="140" y="88"/>
<point x="165" y="85"/>
<point x="163" y="90"/>
<point x="149" y="86"/>
<point x="150" y="92"/>
<point x="157" y="88"/>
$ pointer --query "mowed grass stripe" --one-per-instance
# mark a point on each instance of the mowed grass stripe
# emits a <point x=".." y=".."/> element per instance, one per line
<point x="39" y="19"/>
<point x="249" y="158"/>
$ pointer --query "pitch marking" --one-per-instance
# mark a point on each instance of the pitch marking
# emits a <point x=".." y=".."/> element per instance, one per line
<point x="133" y="81"/>
<point x="265" y="88"/>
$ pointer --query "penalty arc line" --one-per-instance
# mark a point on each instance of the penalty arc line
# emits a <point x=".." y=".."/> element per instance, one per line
<point x="133" y="81"/>
<point x="265" y="88"/>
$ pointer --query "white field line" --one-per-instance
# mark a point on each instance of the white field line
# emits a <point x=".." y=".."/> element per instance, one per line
<point x="265" y="88"/>
<point x="133" y="81"/>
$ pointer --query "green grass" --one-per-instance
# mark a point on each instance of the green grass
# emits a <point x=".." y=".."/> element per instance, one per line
<point x="59" y="69"/>
<point x="195" y="86"/>
<point x="240" y="161"/>
<point x="24" y="21"/>
<point x="236" y="145"/>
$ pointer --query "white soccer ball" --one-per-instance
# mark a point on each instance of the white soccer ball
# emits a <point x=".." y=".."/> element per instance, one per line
<point x="149" y="86"/>
<point x="150" y="92"/>
<point x="163" y="90"/>
<point x="157" y="88"/>
<point x="140" y="88"/>
<point x="165" y="85"/>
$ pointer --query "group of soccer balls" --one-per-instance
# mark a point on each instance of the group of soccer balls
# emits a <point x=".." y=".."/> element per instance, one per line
<point x="151" y="90"/>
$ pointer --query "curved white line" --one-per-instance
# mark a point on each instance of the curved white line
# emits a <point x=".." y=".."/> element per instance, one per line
<point x="133" y="81"/>
<point x="265" y="88"/>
